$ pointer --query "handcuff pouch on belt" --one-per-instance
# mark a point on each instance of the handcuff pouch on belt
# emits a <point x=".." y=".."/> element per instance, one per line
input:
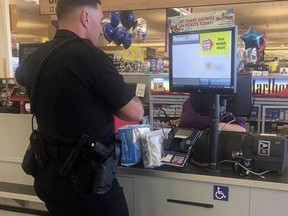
<point x="35" y="156"/>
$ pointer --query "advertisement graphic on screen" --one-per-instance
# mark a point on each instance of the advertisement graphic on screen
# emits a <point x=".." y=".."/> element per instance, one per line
<point x="203" y="61"/>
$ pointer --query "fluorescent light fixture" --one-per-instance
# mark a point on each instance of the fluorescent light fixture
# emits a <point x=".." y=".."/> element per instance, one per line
<point x="33" y="1"/>
<point x="182" y="11"/>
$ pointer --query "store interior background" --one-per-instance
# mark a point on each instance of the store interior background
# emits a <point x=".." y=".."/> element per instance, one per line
<point x="268" y="17"/>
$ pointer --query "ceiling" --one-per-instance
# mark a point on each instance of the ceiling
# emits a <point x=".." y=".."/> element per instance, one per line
<point x="270" y="18"/>
<point x="31" y="26"/>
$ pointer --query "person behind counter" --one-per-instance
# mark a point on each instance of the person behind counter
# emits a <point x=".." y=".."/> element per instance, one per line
<point x="78" y="92"/>
<point x="191" y="119"/>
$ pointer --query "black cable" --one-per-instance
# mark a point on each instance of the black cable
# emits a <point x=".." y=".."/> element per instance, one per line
<point x="170" y="124"/>
<point x="167" y="117"/>
<point x="197" y="164"/>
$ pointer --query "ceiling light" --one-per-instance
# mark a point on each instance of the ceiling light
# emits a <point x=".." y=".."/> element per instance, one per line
<point x="33" y="1"/>
<point x="182" y="11"/>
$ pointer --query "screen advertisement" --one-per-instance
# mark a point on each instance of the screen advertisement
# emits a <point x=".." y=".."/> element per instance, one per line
<point x="203" y="61"/>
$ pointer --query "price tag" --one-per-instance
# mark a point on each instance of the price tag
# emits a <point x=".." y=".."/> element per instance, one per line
<point x="140" y="89"/>
<point x="48" y="7"/>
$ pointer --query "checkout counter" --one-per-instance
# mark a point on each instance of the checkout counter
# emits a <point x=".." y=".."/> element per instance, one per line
<point x="170" y="190"/>
<point x="164" y="191"/>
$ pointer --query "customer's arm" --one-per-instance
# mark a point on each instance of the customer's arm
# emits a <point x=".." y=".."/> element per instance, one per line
<point x="132" y="111"/>
<point x="231" y="127"/>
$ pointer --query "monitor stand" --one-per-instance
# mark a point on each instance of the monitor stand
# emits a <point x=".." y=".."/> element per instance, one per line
<point x="214" y="132"/>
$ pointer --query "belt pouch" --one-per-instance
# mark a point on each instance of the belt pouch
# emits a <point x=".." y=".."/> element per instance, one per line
<point x="29" y="163"/>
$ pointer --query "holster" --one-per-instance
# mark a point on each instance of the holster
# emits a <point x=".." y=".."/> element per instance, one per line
<point x="106" y="170"/>
<point x="103" y="158"/>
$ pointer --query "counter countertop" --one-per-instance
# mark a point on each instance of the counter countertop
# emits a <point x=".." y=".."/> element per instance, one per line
<point x="272" y="180"/>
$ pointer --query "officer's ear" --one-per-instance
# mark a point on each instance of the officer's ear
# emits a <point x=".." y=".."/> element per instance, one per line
<point x="84" y="16"/>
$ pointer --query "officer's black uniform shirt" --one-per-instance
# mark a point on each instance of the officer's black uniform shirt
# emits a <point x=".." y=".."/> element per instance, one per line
<point x="78" y="92"/>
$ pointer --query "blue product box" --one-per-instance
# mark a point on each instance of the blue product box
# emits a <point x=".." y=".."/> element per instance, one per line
<point x="132" y="137"/>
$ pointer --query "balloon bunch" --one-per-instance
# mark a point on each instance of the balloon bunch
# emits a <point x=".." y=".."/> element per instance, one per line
<point x="122" y="27"/>
<point x="253" y="39"/>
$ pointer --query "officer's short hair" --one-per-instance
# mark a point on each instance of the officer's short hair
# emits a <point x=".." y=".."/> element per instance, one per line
<point x="65" y="6"/>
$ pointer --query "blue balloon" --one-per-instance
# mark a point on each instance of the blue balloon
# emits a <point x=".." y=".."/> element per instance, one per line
<point x="119" y="35"/>
<point x="108" y="32"/>
<point x="251" y="39"/>
<point x="115" y="19"/>
<point x="127" y="19"/>
<point x="127" y="41"/>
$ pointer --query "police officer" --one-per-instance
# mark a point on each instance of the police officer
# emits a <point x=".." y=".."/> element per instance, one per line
<point x="78" y="92"/>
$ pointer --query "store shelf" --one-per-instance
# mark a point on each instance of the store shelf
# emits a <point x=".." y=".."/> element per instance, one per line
<point x="173" y="110"/>
<point x="157" y="96"/>
<point x="278" y="113"/>
<point x="268" y="113"/>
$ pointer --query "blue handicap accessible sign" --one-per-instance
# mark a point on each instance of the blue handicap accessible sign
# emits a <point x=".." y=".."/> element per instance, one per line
<point x="221" y="193"/>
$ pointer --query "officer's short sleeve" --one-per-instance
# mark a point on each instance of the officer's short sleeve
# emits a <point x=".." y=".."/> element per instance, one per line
<point x="110" y="84"/>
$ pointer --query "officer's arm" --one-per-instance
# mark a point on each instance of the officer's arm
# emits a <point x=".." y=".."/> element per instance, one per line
<point x="132" y="111"/>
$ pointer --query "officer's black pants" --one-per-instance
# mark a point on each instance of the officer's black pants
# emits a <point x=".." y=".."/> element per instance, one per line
<point x="72" y="196"/>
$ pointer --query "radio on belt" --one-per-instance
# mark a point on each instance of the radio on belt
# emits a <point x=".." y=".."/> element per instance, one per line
<point x="267" y="152"/>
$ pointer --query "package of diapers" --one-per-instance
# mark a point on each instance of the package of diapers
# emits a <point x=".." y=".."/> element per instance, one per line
<point x="132" y="138"/>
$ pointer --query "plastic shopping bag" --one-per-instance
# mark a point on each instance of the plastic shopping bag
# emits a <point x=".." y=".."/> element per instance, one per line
<point x="153" y="148"/>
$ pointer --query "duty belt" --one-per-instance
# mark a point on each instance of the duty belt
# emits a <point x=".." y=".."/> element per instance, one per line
<point x="57" y="152"/>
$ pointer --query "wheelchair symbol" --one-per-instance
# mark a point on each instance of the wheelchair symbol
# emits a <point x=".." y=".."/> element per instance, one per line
<point x="219" y="194"/>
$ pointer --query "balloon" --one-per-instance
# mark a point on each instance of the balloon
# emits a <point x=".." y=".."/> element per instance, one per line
<point x="140" y="31"/>
<point x="115" y="19"/>
<point x="127" y="19"/>
<point x="119" y="35"/>
<point x="240" y="61"/>
<point x="127" y="40"/>
<point x="249" y="56"/>
<point x="263" y="43"/>
<point x="108" y="31"/>
<point x="251" y="38"/>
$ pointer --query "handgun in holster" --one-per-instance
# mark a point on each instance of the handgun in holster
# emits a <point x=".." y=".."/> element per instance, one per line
<point x="105" y="171"/>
